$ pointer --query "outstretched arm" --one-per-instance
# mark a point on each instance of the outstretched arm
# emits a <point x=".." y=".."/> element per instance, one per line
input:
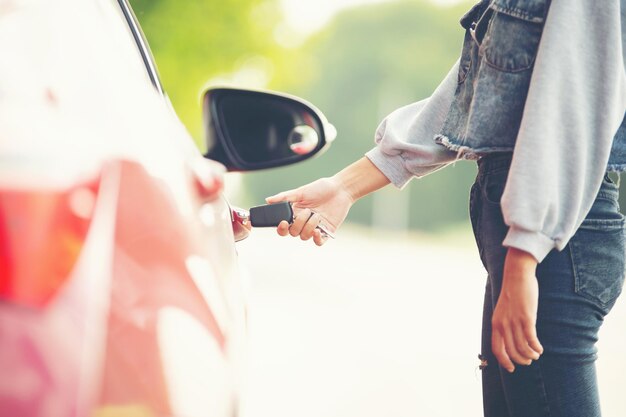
<point x="405" y="149"/>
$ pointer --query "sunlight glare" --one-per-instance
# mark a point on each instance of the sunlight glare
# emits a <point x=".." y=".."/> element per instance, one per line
<point x="306" y="17"/>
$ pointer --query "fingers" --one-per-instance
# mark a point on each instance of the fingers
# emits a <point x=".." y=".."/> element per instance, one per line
<point x="533" y="341"/>
<point x="299" y="222"/>
<point x="308" y="229"/>
<point x="515" y="343"/>
<point x="499" y="350"/>
<point x="283" y="228"/>
<point x="318" y="238"/>
<point x="511" y="346"/>
<point x="291" y="196"/>
<point x="522" y="346"/>
<point x="305" y="226"/>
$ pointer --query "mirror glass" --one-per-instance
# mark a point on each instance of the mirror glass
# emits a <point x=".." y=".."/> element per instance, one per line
<point x="303" y="139"/>
<point x="264" y="128"/>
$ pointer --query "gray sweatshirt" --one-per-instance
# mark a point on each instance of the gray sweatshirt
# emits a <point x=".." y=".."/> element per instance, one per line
<point x="576" y="102"/>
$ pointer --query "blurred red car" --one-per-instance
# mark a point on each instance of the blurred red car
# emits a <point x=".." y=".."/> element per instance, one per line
<point x="119" y="285"/>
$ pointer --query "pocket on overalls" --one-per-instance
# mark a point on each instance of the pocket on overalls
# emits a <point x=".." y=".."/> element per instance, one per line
<point x="513" y="35"/>
<point x="598" y="252"/>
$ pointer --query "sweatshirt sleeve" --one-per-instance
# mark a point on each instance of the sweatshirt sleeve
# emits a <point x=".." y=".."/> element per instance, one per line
<point x="405" y="141"/>
<point x="575" y="104"/>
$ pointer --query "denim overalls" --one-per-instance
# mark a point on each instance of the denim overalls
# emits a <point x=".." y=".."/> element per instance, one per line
<point x="578" y="285"/>
<point x="501" y="42"/>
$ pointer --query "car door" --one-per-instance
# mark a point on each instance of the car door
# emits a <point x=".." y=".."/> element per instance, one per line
<point x="135" y="308"/>
<point x="177" y="322"/>
<point x="119" y="284"/>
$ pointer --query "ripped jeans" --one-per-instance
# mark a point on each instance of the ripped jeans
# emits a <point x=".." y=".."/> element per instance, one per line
<point x="577" y="288"/>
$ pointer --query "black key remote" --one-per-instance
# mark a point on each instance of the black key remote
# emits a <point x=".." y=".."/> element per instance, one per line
<point x="270" y="215"/>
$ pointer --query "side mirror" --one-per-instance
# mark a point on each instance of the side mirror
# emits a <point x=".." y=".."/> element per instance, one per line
<point x="248" y="130"/>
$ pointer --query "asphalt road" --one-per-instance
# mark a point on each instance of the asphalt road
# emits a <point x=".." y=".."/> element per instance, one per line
<point x="377" y="324"/>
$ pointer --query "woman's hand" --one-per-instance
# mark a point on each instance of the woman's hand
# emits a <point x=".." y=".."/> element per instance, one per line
<point x="514" y="337"/>
<point x="322" y="201"/>
<point x="328" y="200"/>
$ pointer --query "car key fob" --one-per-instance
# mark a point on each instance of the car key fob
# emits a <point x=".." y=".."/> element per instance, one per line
<point x="270" y="215"/>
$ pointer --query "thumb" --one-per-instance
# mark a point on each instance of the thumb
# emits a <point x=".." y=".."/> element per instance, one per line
<point x="292" y="196"/>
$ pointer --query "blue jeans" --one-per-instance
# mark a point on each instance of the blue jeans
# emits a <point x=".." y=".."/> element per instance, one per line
<point x="577" y="288"/>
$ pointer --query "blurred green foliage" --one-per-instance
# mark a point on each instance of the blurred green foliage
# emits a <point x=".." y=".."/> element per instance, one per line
<point x="195" y="40"/>
<point x="367" y="62"/>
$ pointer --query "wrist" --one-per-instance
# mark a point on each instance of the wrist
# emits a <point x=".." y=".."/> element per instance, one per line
<point x="346" y="185"/>
<point x="518" y="260"/>
<point x="359" y="179"/>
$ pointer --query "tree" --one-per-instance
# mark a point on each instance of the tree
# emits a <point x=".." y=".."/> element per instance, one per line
<point x="196" y="40"/>
<point x="369" y="61"/>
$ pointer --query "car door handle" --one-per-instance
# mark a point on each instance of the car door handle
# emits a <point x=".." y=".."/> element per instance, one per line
<point x="241" y="223"/>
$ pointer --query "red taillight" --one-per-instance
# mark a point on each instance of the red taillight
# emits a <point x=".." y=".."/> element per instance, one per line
<point x="41" y="236"/>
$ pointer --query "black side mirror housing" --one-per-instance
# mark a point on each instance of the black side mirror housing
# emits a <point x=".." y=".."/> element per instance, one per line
<point x="248" y="130"/>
